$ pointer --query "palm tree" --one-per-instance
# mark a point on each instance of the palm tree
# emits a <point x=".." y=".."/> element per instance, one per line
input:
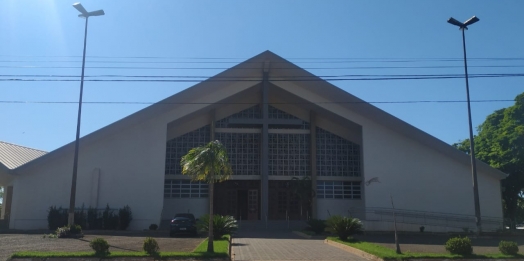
<point x="208" y="163"/>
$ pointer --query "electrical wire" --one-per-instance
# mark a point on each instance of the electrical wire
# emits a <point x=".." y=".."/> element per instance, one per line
<point x="286" y="68"/>
<point x="249" y="103"/>
<point x="437" y="77"/>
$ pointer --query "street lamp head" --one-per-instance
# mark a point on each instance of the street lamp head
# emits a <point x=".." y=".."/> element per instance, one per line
<point x="454" y="21"/>
<point x="85" y="13"/>
<point x="471" y="21"/>
<point x="80" y="8"/>
<point x="464" y="25"/>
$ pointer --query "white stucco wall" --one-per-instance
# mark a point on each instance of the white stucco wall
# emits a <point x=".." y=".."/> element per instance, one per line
<point x="421" y="178"/>
<point x="131" y="165"/>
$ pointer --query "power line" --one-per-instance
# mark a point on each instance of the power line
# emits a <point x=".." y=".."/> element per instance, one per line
<point x="248" y="103"/>
<point x="247" y="62"/>
<point x="246" y="58"/>
<point x="286" y="68"/>
<point x="245" y="77"/>
<point x="436" y="77"/>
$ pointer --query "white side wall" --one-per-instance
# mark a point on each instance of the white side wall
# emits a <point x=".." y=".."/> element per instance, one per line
<point x="131" y="168"/>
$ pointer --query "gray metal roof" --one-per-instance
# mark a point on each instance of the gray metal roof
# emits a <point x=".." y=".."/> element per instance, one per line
<point x="12" y="156"/>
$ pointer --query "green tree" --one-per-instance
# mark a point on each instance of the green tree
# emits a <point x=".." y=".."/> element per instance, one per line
<point x="500" y="143"/>
<point x="210" y="164"/>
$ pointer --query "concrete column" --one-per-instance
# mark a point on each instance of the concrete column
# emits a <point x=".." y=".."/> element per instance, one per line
<point x="212" y="138"/>
<point x="212" y="125"/>
<point x="264" y="157"/>
<point x="313" y="160"/>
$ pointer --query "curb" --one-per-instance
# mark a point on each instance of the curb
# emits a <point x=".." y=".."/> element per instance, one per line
<point x="354" y="251"/>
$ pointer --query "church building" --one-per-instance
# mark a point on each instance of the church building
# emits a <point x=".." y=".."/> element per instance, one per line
<point x="299" y="148"/>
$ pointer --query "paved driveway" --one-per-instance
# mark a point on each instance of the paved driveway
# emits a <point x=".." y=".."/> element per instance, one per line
<point x="284" y="246"/>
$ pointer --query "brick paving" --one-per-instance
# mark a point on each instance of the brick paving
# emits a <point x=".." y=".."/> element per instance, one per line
<point x="284" y="246"/>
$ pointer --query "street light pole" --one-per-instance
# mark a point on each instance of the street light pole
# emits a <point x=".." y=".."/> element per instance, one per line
<point x="84" y="13"/>
<point x="463" y="27"/>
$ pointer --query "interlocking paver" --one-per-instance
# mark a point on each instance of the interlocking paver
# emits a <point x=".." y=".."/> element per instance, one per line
<point x="285" y="246"/>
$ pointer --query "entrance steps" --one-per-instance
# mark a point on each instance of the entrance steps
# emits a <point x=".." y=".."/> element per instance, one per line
<point x="270" y="225"/>
<point x="258" y="225"/>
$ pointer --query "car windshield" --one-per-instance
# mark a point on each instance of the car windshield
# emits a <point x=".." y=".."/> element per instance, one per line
<point x="181" y="220"/>
<point x="188" y="216"/>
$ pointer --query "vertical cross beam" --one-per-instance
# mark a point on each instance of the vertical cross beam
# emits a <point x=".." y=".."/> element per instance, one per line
<point x="313" y="160"/>
<point x="264" y="179"/>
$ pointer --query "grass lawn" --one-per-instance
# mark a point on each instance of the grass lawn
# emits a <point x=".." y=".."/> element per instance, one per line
<point x="387" y="253"/>
<point x="221" y="250"/>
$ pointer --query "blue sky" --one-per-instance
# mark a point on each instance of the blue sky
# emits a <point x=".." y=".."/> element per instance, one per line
<point x="43" y="40"/>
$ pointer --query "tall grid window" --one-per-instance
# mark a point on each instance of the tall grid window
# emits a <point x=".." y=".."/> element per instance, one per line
<point x="336" y="156"/>
<point x="338" y="189"/>
<point x="178" y="188"/>
<point x="180" y="146"/>
<point x="243" y="150"/>
<point x="289" y="154"/>
<point x="249" y="113"/>
<point x="274" y="113"/>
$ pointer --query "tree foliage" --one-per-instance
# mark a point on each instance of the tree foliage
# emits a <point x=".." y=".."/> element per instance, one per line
<point x="500" y="143"/>
<point x="210" y="164"/>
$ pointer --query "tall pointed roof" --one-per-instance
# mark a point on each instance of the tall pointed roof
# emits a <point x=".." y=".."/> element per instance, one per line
<point x="282" y="72"/>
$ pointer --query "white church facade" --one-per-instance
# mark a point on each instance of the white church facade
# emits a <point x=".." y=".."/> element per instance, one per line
<point x="278" y="122"/>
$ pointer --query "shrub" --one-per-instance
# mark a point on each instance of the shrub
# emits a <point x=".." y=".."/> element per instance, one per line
<point x="316" y="225"/>
<point x="75" y="229"/>
<point x="344" y="227"/>
<point x="153" y="227"/>
<point x="109" y="220"/>
<point x="100" y="246"/>
<point x="81" y="218"/>
<point x="56" y="217"/>
<point x="459" y="246"/>
<point x="94" y="221"/>
<point x="150" y="246"/>
<point x="62" y="232"/>
<point x="69" y="231"/>
<point x="508" y="247"/>
<point x="124" y="217"/>
<point x="222" y="225"/>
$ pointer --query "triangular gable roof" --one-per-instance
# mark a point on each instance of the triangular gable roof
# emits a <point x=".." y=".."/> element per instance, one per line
<point x="13" y="156"/>
<point x="281" y="72"/>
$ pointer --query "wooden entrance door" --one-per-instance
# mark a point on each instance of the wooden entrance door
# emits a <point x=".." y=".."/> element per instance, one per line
<point x="252" y="204"/>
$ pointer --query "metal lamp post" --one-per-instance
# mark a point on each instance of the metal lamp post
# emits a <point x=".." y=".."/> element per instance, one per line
<point x="463" y="27"/>
<point x="86" y="14"/>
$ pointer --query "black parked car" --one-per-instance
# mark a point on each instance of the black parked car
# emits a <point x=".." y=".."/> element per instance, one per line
<point x="183" y="223"/>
